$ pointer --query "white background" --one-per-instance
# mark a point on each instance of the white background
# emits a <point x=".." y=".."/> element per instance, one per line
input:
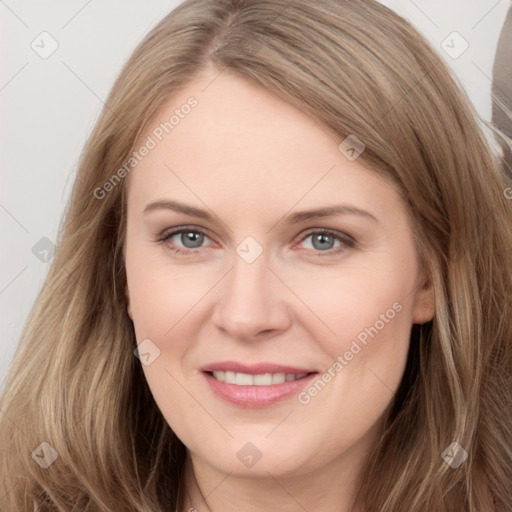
<point x="49" y="106"/>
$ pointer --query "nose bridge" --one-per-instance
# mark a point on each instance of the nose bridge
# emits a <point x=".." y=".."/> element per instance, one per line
<point x="249" y="276"/>
<point x="250" y="300"/>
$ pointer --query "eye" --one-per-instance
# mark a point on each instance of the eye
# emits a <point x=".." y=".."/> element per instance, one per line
<point x="187" y="240"/>
<point x="190" y="238"/>
<point x="323" y="242"/>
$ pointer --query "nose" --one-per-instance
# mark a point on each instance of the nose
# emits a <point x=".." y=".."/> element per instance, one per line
<point x="252" y="302"/>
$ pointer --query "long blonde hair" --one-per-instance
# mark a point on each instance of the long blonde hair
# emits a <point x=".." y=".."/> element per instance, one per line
<point x="357" y="68"/>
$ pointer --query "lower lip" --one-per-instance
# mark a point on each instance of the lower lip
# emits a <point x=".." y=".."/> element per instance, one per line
<point x="256" y="396"/>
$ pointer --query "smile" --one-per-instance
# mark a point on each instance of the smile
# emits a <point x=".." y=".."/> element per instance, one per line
<point x="255" y="385"/>
<point x="264" y="379"/>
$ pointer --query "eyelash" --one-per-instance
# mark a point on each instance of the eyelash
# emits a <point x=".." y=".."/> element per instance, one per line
<point x="348" y="242"/>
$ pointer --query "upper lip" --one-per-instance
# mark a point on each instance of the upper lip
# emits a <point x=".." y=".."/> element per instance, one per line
<point x="253" y="369"/>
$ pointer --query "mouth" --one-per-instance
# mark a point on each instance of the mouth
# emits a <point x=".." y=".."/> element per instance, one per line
<point x="255" y="386"/>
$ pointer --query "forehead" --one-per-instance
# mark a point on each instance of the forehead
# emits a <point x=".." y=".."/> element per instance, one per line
<point x="222" y="137"/>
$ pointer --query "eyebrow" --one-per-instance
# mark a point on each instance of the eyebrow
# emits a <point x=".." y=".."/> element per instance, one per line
<point x="294" y="218"/>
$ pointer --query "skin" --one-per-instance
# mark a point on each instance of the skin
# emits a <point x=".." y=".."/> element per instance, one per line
<point x="251" y="159"/>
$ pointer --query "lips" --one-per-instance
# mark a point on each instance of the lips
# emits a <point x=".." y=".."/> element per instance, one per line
<point x="256" y="385"/>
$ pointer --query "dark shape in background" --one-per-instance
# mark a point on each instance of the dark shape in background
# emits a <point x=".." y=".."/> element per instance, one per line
<point x="502" y="87"/>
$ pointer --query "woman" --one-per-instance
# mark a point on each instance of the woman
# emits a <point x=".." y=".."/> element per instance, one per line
<point x="157" y="375"/>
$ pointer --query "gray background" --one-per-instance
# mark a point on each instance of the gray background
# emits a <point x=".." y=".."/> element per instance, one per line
<point x="49" y="104"/>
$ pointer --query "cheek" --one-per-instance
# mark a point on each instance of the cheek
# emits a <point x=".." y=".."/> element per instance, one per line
<point x="166" y="304"/>
<point x="358" y="304"/>
<point x="366" y="357"/>
<point x="369" y="314"/>
<point x="162" y="296"/>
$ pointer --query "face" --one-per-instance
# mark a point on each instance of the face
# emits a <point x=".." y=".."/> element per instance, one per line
<point x="272" y="339"/>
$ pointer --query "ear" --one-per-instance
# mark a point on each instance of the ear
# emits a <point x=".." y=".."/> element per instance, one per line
<point x="127" y="295"/>
<point x="424" y="303"/>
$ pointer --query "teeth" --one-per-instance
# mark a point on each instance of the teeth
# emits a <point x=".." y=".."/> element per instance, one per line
<point x="243" y="379"/>
<point x="265" y="379"/>
<point x="262" y="380"/>
<point x="278" y="378"/>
